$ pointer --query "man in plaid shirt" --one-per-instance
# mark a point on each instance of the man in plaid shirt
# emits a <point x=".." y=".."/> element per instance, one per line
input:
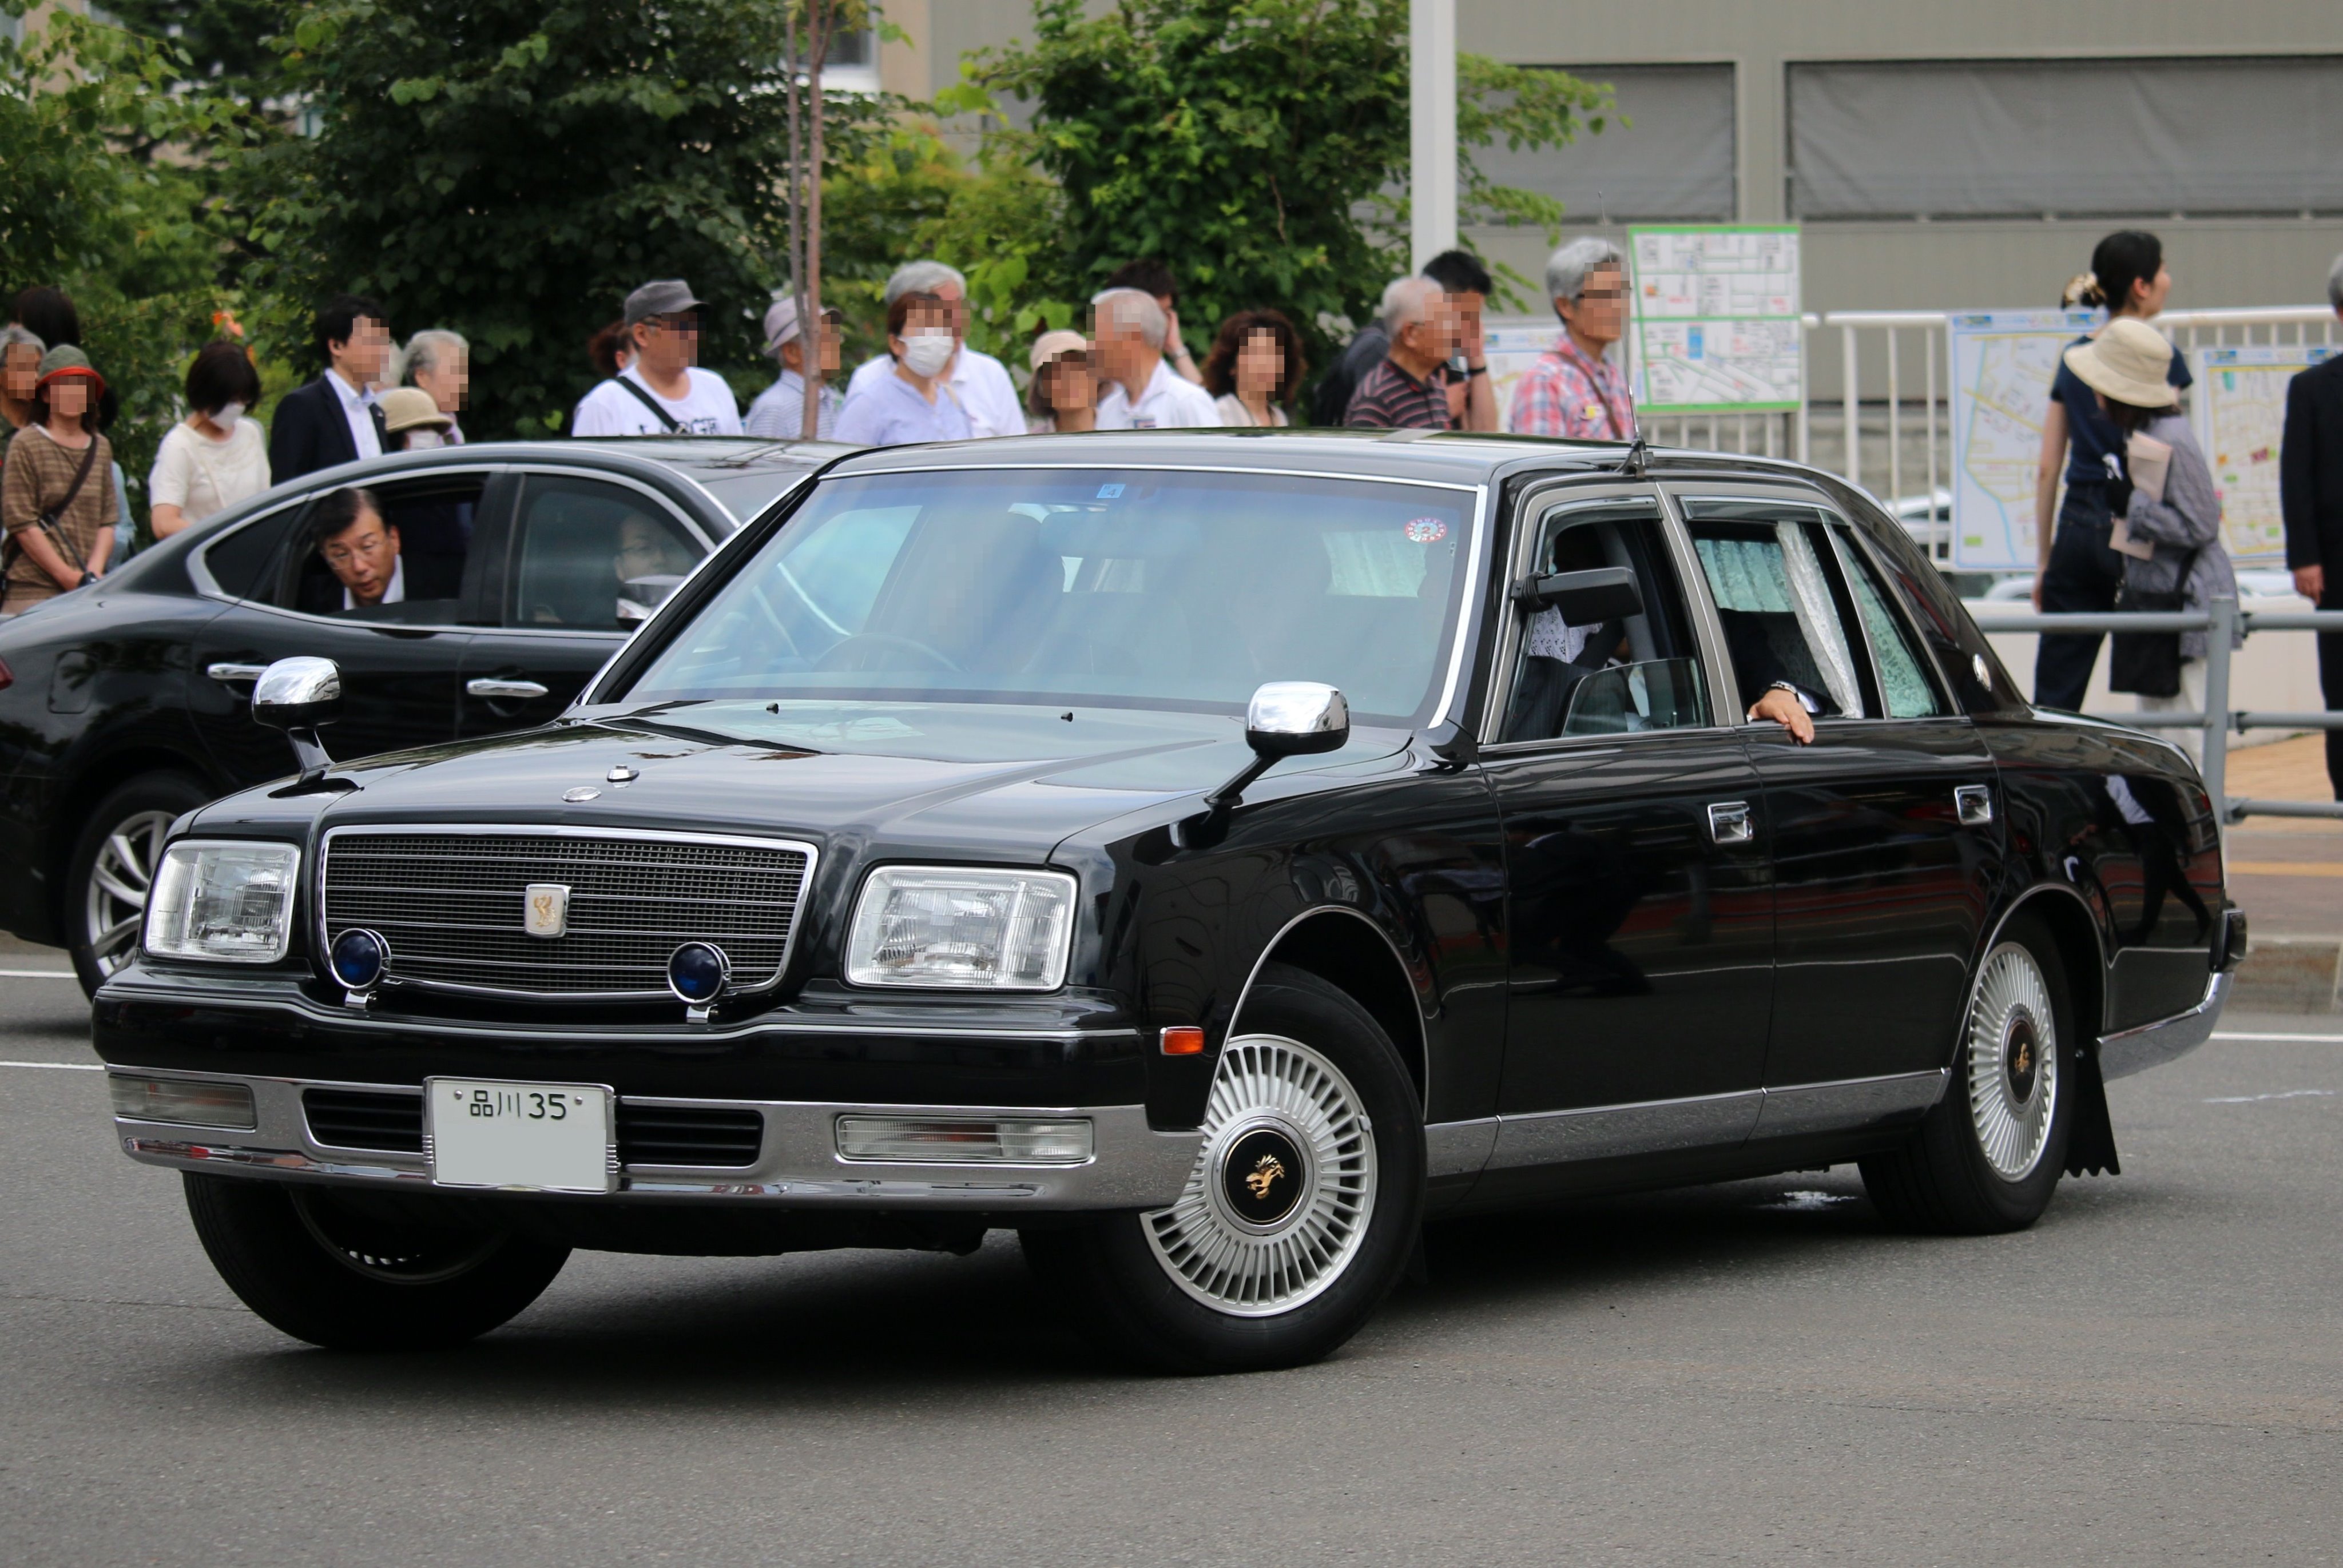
<point x="1574" y="390"/>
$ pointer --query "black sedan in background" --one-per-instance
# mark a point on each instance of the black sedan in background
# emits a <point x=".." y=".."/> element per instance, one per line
<point x="124" y="705"/>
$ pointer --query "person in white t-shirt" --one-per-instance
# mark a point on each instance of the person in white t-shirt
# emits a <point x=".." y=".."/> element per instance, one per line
<point x="978" y="382"/>
<point x="664" y="392"/>
<point x="215" y="457"/>
<point x="1143" y="392"/>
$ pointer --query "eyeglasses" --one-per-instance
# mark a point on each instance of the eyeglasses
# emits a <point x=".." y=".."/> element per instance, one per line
<point x="687" y="324"/>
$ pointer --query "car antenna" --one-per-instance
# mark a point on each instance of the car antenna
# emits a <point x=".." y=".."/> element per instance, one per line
<point x="1638" y="460"/>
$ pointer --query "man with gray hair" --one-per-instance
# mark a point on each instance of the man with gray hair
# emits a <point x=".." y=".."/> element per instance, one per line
<point x="1574" y="390"/>
<point x="976" y="381"/>
<point x="1410" y="389"/>
<point x="1143" y="392"/>
<point x="439" y="362"/>
<point x="2310" y="498"/>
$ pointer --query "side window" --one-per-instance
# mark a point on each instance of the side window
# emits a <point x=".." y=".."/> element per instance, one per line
<point x="414" y="571"/>
<point x="244" y="563"/>
<point x="1784" y="614"/>
<point x="1602" y="643"/>
<point x="593" y="557"/>
<point x="1905" y="688"/>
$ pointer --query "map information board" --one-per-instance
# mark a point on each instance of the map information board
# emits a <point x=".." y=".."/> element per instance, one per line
<point x="2001" y="364"/>
<point x="1714" y="323"/>
<point x="2240" y="408"/>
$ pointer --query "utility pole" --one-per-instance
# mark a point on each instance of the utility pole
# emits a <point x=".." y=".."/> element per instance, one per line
<point x="1432" y="128"/>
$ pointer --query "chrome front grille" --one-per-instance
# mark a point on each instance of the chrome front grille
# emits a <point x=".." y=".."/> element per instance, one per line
<point x="450" y="905"/>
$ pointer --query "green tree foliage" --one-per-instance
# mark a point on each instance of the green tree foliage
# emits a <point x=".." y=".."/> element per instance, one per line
<point x="78" y="211"/>
<point x="512" y="168"/>
<point x="1259" y="147"/>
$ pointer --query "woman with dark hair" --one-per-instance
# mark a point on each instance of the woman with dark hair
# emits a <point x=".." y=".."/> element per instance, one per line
<point x="215" y="457"/>
<point x="916" y="402"/>
<point x="2076" y="572"/>
<point x="2160" y="489"/>
<point x="1254" y="369"/>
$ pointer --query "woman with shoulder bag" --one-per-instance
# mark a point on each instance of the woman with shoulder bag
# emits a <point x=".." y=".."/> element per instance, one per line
<point x="57" y="489"/>
<point x="2166" y="517"/>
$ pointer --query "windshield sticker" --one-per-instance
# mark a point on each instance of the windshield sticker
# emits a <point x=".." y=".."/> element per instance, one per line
<point x="1109" y="492"/>
<point x="1426" y="531"/>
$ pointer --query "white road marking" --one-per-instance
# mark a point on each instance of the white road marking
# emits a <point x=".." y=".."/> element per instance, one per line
<point x="2316" y="1039"/>
<point x="37" y="974"/>
<point x="61" y="1066"/>
<point x="2282" y="1094"/>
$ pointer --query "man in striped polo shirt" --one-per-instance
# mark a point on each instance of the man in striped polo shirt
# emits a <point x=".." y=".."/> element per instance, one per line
<point x="1410" y="390"/>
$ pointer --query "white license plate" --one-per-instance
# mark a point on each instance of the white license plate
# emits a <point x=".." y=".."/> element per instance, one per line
<point x="532" y="1137"/>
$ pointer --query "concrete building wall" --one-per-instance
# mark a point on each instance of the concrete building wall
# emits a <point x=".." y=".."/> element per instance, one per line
<point x="1867" y="263"/>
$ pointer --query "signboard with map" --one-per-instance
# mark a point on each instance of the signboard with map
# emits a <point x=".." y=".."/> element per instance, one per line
<point x="1514" y="344"/>
<point x="1715" y="318"/>
<point x="2241" y="409"/>
<point x="2001" y="364"/>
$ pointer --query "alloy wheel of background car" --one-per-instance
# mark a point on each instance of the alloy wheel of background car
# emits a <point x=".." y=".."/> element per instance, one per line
<point x="113" y="866"/>
<point x="2014" y="1077"/>
<point x="1988" y="1155"/>
<point x="1278" y="1203"/>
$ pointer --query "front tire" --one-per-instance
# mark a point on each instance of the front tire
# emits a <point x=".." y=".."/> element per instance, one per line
<point x="1987" y="1158"/>
<point x="1299" y="1216"/>
<point x="355" y="1275"/>
<point x="113" y="867"/>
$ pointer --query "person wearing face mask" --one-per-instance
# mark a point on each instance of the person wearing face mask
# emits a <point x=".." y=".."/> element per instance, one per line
<point x="215" y="457"/>
<point x="917" y="403"/>
<point x="979" y="383"/>
<point x="412" y="421"/>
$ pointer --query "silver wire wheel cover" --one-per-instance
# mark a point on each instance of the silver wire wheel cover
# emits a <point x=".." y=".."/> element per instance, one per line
<point x="116" y="901"/>
<point x="1280" y="1196"/>
<point x="2012" y="1055"/>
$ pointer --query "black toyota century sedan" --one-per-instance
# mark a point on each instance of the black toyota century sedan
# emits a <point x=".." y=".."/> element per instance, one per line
<point x="1208" y="855"/>
<point x="124" y="705"/>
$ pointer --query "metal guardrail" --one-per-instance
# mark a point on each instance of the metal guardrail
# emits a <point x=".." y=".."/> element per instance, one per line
<point x="2220" y="622"/>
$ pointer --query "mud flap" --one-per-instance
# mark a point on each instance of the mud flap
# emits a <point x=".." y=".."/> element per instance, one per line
<point x="2091" y="1143"/>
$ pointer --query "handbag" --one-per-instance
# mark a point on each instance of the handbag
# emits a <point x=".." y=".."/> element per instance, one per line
<point x="2148" y="663"/>
<point x="47" y="523"/>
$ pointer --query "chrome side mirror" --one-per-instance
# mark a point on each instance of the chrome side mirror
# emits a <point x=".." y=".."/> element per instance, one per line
<point x="1286" y="719"/>
<point x="297" y="695"/>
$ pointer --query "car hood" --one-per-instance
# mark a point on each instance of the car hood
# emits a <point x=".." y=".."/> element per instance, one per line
<point x="909" y="773"/>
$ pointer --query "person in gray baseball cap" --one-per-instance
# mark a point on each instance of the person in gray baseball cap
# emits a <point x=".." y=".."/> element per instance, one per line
<point x="779" y="410"/>
<point x="663" y="392"/>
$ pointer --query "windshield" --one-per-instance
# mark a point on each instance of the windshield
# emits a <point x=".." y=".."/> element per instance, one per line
<point x="1121" y="587"/>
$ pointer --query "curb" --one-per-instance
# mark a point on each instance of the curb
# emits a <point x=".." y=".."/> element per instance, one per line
<point x="2290" y="974"/>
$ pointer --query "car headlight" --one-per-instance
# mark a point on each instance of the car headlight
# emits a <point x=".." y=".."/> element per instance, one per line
<point x="969" y="929"/>
<point x="229" y="902"/>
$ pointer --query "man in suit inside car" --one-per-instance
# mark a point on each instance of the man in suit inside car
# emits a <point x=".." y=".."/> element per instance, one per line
<point x="365" y="570"/>
<point x="2311" y="497"/>
<point x="335" y="418"/>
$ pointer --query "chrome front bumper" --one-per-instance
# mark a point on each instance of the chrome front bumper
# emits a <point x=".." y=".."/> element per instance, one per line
<point x="798" y="1164"/>
<point x="2154" y="1044"/>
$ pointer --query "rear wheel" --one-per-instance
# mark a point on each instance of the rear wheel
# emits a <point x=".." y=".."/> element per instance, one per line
<point x="367" y="1273"/>
<point x="1300" y="1211"/>
<point x="1988" y="1157"/>
<point x="113" y="866"/>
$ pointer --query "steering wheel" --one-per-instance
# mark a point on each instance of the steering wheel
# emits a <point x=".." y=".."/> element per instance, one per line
<point x="837" y="659"/>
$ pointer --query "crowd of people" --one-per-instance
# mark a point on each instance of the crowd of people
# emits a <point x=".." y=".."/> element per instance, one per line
<point x="2127" y="515"/>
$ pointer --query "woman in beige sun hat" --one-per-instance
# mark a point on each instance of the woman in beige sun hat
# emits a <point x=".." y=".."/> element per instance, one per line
<point x="412" y="421"/>
<point x="2176" y="513"/>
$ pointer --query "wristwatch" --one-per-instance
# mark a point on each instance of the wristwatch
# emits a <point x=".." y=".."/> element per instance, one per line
<point x="87" y="578"/>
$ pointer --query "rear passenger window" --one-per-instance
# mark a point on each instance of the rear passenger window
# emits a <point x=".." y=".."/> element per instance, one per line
<point x="594" y="557"/>
<point x="1799" y="603"/>
<point x="1602" y="643"/>
<point x="427" y="523"/>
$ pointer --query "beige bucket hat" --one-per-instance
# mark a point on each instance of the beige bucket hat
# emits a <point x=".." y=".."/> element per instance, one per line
<point x="2127" y="362"/>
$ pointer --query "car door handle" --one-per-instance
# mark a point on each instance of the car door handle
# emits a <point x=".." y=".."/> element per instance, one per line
<point x="228" y="674"/>
<point x="491" y="686"/>
<point x="1973" y="804"/>
<point x="1729" y="822"/>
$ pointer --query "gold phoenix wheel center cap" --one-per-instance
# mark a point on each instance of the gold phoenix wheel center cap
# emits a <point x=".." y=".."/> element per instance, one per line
<point x="1263" y="1173"/>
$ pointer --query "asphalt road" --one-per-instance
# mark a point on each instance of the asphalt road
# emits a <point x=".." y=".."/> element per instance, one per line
<point x="1749" y="1372"/>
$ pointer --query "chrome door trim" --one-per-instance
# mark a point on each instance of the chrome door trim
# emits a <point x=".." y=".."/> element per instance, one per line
<point x="1475" y="564"/>
<point x="1847" y="1103"/>
<point x="2137" y="1050"/>
<point x="536" y="829"/>
<point x="1459" y="1148"/>
<point x="1607" y="1132"/>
